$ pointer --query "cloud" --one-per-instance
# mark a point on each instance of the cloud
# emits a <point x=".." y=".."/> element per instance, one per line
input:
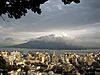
<point x="87" y="36"/>
<point x="54" y="42"/>
<point x="81" y="22"/>
<point x="8" y="41"/>
<point x="70" y="16"/>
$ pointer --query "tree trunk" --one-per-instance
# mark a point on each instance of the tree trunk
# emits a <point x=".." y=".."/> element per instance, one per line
<point x="26" y="72"/>
<point x="5" y="73"/>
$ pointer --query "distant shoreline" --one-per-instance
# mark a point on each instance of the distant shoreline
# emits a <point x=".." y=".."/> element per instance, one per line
<point x="50" y="50"/>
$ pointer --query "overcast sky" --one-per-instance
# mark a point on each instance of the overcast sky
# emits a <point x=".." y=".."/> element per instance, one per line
<point x="80" y="22"/>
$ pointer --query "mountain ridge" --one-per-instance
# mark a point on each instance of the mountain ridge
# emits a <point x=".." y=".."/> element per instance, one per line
<point x="49" y="42"/>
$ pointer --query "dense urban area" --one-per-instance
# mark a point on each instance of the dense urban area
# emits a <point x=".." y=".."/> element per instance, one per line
<point x="44" y="63"/>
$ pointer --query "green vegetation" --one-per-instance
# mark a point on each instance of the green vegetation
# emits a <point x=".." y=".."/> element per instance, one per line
<point x="3" y="66"/>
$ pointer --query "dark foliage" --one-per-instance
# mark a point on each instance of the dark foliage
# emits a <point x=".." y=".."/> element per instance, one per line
<point x="3" y="64"/>
<point x="26" y="68"/>
<point x="70" y="1"/>
<point x="17" y="8"/>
